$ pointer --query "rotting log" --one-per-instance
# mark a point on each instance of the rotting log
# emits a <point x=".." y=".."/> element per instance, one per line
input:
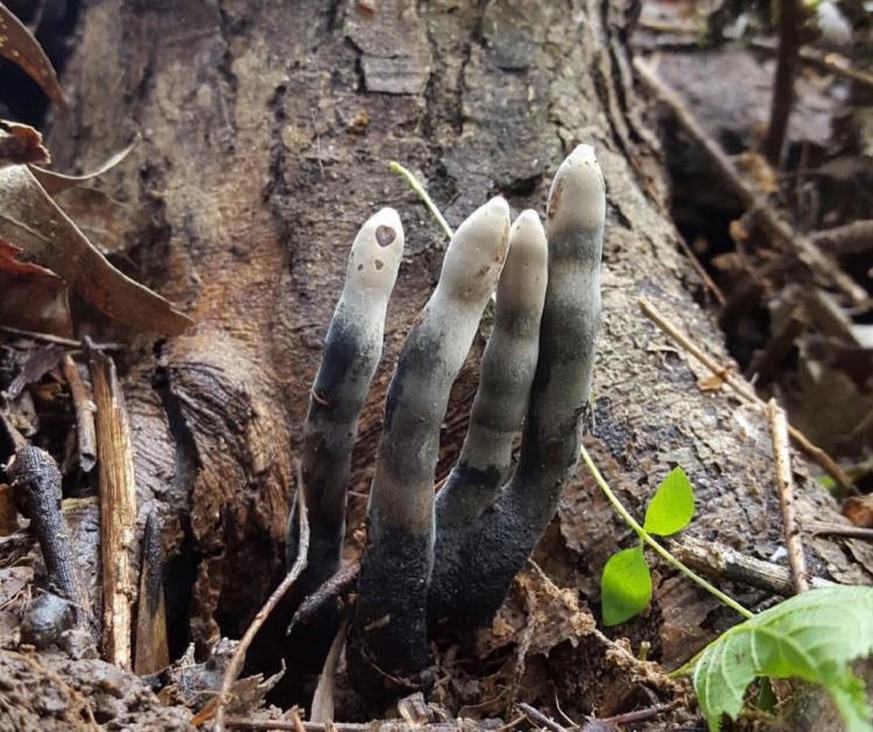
<point x="266" y="132"/>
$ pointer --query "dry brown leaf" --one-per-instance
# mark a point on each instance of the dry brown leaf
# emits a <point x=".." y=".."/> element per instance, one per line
<point x="33" y="298"/>
<point x="31" y="221"/>
<point x="859" y="510"/>
<point x="21" y="144"/>
<point x="55" y="183"/>
<point x="21" y="48"/>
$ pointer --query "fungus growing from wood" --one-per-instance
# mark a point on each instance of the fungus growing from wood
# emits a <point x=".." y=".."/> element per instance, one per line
<point x="449" y="563"/>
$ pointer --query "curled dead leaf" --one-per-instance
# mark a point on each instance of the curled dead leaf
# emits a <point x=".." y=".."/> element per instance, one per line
<point x="31" y="221"/>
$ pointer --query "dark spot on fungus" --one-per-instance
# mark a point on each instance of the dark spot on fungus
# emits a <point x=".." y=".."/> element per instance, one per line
<point x="379" y="264"/>
<point x="385" y="235"/>
<point x="360" y="267"/>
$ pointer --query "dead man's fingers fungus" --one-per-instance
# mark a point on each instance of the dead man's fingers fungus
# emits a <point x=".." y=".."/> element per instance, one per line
<point x="387" y="650"/>
<point x="351" y="354"/>
<point x="499" y="541"/>
<point x="508" y="367"/>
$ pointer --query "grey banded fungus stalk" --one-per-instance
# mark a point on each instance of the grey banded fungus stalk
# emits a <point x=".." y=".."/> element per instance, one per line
<point x="473" y="572"/>
<point x="387" y="650"/>
<point x="508" y="367"/>
<point x="351" y="354"/>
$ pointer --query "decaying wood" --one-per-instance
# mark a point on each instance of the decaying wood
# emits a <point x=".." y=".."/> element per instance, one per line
<point x="151" y="653"/>
<point x="239" y="653"/>
<point x="34" y="472"/>
<point x="83" y="404"/>
<point x="744" y="391"/>
<point x="117" y="508"/>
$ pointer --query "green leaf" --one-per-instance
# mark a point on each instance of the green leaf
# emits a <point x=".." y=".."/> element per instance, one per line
<point x="672" y="506"/>
<point x="625" y="585"/>
<point x="813" y="636"/>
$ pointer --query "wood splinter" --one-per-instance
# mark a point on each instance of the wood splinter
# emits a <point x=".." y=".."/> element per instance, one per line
<point x="117" y="508"/>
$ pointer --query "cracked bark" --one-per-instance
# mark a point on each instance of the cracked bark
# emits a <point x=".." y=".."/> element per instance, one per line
<point x="265" y="137"/>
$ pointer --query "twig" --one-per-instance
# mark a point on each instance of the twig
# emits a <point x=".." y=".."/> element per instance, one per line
<point x="34" y="472"/>
<point x="537" y="717"/>
<point x="396" y="167"/>
<point x="785" y="486"/>
<point x="235" y="666"/>
<point x="49" y="338"/>
<point x="385" y="725"/>
<point x="83" y="404"/>
<point x="826" y="61"/>
<point x="835" y="529"/>
<point x="723" y="562"/>
<point x="744" y="391"/>
<point x="807" y="251"/>
<point x="334" y="586"/>
<point x="791" y="14"/>
<point x="852" y="238"/>
<point x="117" y="508"/>
<point x="638" y="715"/>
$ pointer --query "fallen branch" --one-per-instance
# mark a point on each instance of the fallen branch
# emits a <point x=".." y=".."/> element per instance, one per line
<point x="722" y="562"/>
<point x="852" y="238"/>
<point x="744" y="391"/>
<point x="83" y="404"/>
<point x="805" y="248"/>
<point x="834" y="529"/>
<point x="236" y="662"/>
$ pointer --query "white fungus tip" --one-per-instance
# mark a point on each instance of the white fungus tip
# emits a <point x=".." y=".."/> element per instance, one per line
<point x="577" y="197"/>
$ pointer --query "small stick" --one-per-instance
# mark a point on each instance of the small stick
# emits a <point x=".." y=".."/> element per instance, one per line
<point x="785" y="486"/>
<point x="151" y="652"/>
<point x="807" y="250"/>
<point x="385" y="725"/>
<point x="744" y="391"/>
<point x="537" y="717"/>
<point x="117" y="508"/>
<point x="637" y="715"/>
<point x="852" y="238"/>
<point x="35" y="472"/>
<point x="835" y="529"/>
<point x="336" y="585"/>
<point x="86" y="437"/>
<point x="235" y="666"/>
<point x="49" y="338"/>
<point x="726" y="563"/>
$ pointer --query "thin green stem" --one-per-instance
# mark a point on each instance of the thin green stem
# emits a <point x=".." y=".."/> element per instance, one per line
<point x="644" y="535"/>
<point x="396" y="167"/>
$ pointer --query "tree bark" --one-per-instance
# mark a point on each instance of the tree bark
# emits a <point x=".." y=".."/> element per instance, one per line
<point x="266" y="130"/>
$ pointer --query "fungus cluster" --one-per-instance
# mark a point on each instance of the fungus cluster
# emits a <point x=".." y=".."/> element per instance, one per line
<point x="431" y="564"/>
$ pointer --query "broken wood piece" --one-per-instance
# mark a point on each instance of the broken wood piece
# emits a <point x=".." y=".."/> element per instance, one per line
<point x="384" y="725"/>
<point x="744" y="391"/>
<point x="83" y="405"/>
<point x="834" y="529"/>
<point x="34" y="472"/>
<point x="323" y="700"/>
<point x="151" y="651"/>
<point x="38" y="365"/>
<point x="117" y="508"/>
<point x="239" y="654"/>
<point x="806" y="249"/>
<point x="785" y="487"/>
<point x="722" y="562"/>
